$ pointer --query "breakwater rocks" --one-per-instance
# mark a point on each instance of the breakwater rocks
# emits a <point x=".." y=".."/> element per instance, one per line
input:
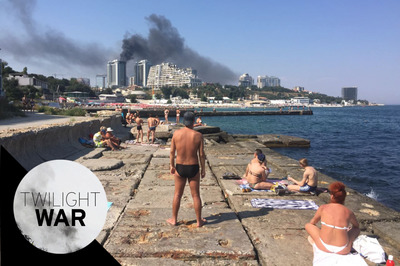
<point x="215" y="134"/>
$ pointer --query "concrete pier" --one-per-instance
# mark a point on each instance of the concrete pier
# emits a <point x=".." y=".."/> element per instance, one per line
<point x="138" y="183"/>
<point x="236" y="233"/>
<point x="244" y="112"/>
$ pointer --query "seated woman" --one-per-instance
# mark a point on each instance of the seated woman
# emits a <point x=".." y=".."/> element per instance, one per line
<point x="256" y="175"/>
<point x="199" y="122"/>
<point x="335" y="235"/>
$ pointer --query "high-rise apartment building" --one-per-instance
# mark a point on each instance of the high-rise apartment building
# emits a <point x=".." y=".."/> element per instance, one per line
<point x="116" y="73"/>
<point x="245" y="80"/>
<point x="169" y="75"/>
<point x="265" y="81"/>
<point x="349" y="93"/>
<point x="142" y="69"/>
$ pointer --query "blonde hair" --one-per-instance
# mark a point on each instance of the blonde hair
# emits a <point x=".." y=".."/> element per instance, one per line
<point x="303" y="162"/>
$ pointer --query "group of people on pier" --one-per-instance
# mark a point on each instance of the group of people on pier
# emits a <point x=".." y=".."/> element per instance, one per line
<point x="339" y="226"/>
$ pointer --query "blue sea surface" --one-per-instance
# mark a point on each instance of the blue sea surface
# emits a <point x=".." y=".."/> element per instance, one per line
<point x="359" y="146"/>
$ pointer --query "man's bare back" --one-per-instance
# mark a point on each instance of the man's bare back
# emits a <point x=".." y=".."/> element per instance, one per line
<point x="139" y="121"/>
<point x="187" y="142"/>
<point x="189" y="148"/>
<point x="311" y="176"/>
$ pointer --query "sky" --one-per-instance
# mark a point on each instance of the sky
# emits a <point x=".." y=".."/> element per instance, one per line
<point x="320" y="45"/>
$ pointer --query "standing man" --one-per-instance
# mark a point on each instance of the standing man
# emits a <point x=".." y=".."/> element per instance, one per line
<point x="189" y="147"/>
<point x="152" y="124"/>
<point x="139" y="128"/>
<point x="166" y="112"/>
<point x="309" y="181"/>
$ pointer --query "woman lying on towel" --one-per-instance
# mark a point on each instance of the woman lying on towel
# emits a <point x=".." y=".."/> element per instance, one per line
<point x="256" y="175"/>
<point x="335" y="235"/>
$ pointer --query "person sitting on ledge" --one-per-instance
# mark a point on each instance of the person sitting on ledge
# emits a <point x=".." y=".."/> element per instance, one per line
<point x="335" y="235"/>
<point x="116" y="142"/>
<point x="256" y="175"/>
<point x="309" y="181"/>
<point x="101" y="141"/>
<point x="199" y="122"/>
<point x="255" y="159"/>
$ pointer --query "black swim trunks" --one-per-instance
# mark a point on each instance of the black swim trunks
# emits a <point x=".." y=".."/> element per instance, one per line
<point x="139" y="127"/>
<point x="187" y="171"/>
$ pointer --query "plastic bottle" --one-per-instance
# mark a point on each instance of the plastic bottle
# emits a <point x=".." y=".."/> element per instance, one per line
<point x="390" y="261"/>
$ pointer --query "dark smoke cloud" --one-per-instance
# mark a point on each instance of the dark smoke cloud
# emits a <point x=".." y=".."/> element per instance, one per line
<point x="49" y="45"/>
<point x="164" y="44"/>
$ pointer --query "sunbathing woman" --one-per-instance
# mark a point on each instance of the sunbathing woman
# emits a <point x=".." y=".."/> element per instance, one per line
<point x="256" y="175"/>
<point x="335" y="235"/>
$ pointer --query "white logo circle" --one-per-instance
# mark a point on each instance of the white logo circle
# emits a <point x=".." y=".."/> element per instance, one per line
<point x="60" y="206"/>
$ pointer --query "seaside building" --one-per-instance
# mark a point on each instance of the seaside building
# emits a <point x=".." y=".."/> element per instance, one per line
<point x="169" y="75"/>
<point x="298" y="89"/>
<point x="245" y="80"/>
<point x="116" y="73"/>
<point x="265" y="81"/>
<point x="349" y="93"/>
<point x="301" y="100"/>
<point x="25" y="80"/>
<point x="142" y="69"/>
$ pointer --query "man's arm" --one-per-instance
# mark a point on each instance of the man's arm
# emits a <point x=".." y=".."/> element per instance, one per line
<point x="299" y="183"/>
<point x="172" y="157"/>
<point x="202" y="156"/>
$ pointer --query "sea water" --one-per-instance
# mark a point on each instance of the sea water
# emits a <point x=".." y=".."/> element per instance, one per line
<point x="359" y="146"/>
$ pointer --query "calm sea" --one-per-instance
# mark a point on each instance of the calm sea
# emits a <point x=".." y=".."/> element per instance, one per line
<point x="359" y="146"/>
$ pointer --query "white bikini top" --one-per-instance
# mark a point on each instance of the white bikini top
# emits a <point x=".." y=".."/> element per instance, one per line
<point x="336" y="227"/>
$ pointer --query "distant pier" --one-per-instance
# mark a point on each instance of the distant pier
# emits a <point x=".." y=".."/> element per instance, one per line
<point x="172" y="112"/>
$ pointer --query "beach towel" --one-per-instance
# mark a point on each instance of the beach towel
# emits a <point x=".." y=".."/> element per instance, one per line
<point x="369" y="248"/>
<point x="284" y="204"/>
<point x="244" y="185"/>
<point x="322" y="258"/>
<point x="88" y="143"/>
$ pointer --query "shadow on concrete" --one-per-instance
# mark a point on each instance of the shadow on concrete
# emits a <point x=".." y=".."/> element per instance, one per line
<point x="226" y="216"/>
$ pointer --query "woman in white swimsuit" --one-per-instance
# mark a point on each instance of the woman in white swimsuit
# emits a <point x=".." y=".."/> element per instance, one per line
<point x="335" y="235"/>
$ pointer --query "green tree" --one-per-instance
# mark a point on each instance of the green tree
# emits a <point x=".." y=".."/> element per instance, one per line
<point x="132" y="98"/>
<point x="12" y="89"/>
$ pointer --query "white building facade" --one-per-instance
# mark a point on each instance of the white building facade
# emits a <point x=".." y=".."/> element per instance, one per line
<point x="142" y="69"/>
<point x="246" y="80"/>
<point x="266" y="81"/>
<point x="116" y="73"/>
<point x="169" y="75"/>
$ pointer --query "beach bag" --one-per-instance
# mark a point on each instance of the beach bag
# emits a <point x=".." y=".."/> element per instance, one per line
<point x="369" y="248"/>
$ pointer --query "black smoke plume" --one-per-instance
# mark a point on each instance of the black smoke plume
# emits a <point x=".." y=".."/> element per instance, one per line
<point x="164" y="44"/>
<point x="49" y="44"/>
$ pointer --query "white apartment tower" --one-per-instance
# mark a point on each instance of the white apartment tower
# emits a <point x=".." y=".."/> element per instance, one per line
<point x="169" y="75"/>
<point x="142" y="69"/>
<point x="265" y="81"/>
<point x="116" y="73"/>
<point x="245" y="80"/>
